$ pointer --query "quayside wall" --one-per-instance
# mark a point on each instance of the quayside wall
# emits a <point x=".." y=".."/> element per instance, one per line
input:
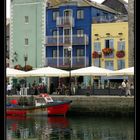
<point x="96" y="105"/>
<point x="100" y="105"/>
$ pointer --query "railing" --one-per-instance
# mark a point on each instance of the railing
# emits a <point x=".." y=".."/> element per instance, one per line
<point x="65" y="63"/>
<point x="65" y="21"/>
<point x="116" y="18"/>
<point x="67" y="40"/>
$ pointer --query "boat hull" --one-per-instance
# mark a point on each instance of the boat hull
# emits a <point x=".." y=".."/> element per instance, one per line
<point x="55" y="108"/>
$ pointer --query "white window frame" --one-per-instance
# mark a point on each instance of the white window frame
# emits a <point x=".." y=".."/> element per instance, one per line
<point x="109" y="65"/>
<point x="80" y="14"/>
<point x="55" y="15"/>
<point x="109" y="43"/>
<point x="122" y="48"/>
<point x="54" y="53"/>
<point x="121" y="62"/>
<point x="80" y="32"/>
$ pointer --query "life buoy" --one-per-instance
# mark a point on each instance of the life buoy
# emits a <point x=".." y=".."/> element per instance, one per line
<point x="44" y="95"/>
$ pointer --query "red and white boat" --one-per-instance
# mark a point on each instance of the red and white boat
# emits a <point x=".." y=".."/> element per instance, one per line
<point x="43" y="105"/>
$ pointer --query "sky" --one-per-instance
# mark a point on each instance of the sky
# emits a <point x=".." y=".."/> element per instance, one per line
<point x="8" y="6"/>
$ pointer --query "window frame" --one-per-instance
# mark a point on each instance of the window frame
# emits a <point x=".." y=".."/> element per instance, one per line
<point x="26" y="42"/>
<point x="122" y="48"/>
<point x="26" y="19"/>
<point x="99" y="45"/>
<point x="109" y="43"/>
<point x="122" y="61"/>
<point x="81" y="31"/>
<point x="80" y="14"/>
<point x="54" y="51"/>
<point x="109" y="64"/>
<point x="55" y="15"/>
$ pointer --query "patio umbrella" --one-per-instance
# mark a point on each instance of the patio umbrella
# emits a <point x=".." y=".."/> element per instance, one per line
<point x="47" y="72"/>
<point x="10" y="72"/>
<point x="126" y="71"/>
<point x="91" y="71"/>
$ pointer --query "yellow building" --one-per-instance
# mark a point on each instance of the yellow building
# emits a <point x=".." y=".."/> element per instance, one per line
<point x="110" y="45"/>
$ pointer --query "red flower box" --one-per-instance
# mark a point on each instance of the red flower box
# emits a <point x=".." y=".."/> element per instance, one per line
<point x="120" y="54"/>
<point x="18" y="67"/>
<point x="95" y="54"/>
<point x="107" y="51"/>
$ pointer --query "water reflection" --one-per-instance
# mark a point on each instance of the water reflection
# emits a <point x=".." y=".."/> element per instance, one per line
<point x="72" y="128"/>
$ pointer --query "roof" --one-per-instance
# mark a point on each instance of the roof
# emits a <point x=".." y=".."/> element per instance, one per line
<point x="122" y="1"/>
<point x="83" y="3"/>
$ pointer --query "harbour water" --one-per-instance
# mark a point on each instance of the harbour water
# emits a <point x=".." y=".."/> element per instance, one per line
<point x="70" y="128"/>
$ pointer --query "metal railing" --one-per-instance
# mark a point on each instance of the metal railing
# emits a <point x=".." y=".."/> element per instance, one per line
<point x="106" y="19"/>
<point x="64" y="62"/>
<point x="67" y="40"/>
<point x="65" y="21"/>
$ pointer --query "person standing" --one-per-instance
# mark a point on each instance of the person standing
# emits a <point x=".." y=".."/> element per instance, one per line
<point x="9" y="88"/>
<point x="18" y="89"/>
<point x="123" y="88"/>
<point x="51" y="88"/>
<point x="128" y="92"/>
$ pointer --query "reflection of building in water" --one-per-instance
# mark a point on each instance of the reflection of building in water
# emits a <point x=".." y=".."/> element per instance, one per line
<point x="24" y="133"/>
<point x="9" y="134"/>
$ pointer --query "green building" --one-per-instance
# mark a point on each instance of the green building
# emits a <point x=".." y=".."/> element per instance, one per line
<point x="27" y="33"/>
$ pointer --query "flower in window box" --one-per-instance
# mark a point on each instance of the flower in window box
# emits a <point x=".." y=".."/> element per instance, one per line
<point x="27" y="68"/>
<point x="107" y="51"/>
<point x="95" y="54"/>
<point x="18" y="67"/>
<point x="120" y="53"/>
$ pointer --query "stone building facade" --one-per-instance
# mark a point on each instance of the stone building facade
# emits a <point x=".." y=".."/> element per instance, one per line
<point x="131" y="31"/>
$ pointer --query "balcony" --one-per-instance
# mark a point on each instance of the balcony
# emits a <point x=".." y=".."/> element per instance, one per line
<point x="64" y="62"/>
<point x="66" y="40"/>
<point x="109" y="19"/>
<point x="67" y="21"/>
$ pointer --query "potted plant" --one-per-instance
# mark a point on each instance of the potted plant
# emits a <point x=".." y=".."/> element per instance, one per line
<point x="107" y="51"/>
<point x="27" y="67"/>
<point x="120" y="54"/>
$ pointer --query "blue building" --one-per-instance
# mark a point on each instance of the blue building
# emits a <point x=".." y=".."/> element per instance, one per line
<point x="68" y="32"/>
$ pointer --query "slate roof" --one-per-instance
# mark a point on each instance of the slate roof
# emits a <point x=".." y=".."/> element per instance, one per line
<point x="83" y="3"/>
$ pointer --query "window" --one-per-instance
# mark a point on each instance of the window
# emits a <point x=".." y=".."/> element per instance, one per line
<point x="96" y="62"/>
<point x="97" y="46"/>
<point x="109" y="65"/>
<point x="26" y="41"/>
<point x="121" y="64"/>
<point x="80" y="52"/>
<point x="80" y="32"/>
<point x="80" y="14"/>
<point x="55" y="15"/>
<point x="54" y="53"/>
<point x="67" y="31"/>
<point x="109" y="43"/>
<point x="54" y="32"/>
<point x="26" y="19"/>
<point x="121" y="45"/>
<point x="67" y="13"/>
